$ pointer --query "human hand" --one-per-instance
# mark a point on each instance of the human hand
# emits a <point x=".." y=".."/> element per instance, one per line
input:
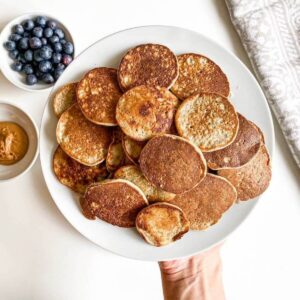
<point x="197" y="277"/>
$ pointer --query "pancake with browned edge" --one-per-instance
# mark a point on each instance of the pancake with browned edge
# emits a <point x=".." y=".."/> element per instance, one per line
<point x="81" y="139"/>
<point x="114" y="201"/>
<point x="144" y="112"/>
<point x="198" y="74"/>
<point x="148" y="64"/>
<point x="206" y="203"/>
<point x="161" y="224"/>
<point x="241" y="151"/>
<point x="172" y="163"/>
<point x="75" y="175"/>
<point x="207" y="120"/>
<point x="132" y="148"/>
<point x="98" y="93"/>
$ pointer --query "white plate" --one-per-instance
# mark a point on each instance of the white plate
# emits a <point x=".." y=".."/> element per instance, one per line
<point x="246" y="95"/>
<point x="12" y="113"/>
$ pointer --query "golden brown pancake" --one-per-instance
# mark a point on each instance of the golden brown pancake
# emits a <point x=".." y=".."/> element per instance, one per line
<point x="115" y="156"/>
<point x="132" y="148"/>
<point x="242" y="150"/>
<point x="74" y="175"/>
<point x="172" y="163"/>
<point x="144" y="112"/>
<point x="134" y="175"/>
<point x="81" y="139"/>
<point x="64" y="98"/>
<point x="148" y="64"/>
<point x="252" y="179"/>
<point x="161" y="224"/>
<point x="207" y="120"/>
<point x="114" y="201"/>
<point x="205" y="204"/>
<point x="198" y="74"/>
<point x="97" y="95"/>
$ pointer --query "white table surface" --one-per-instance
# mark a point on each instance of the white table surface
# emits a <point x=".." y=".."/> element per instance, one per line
<point x="42" y="257"/>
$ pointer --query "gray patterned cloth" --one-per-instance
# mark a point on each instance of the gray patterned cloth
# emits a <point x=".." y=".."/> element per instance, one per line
<point x="270" y="33"/>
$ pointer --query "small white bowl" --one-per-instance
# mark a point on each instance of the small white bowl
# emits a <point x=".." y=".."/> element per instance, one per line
<point x="16" y="78"/>
<point x="11" y="113"/>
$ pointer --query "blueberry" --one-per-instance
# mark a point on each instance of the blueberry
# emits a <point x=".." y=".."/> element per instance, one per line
<point x="39" y="74"/>
<point x="37" y="31"/>
<point x="23" y="43"/>
<point x="48" y="32"/>
<point x="21" y="58"/>
<point x="13" y="54"/>
<point x="37" y="55"/>
<point x="59" y="33"/>
<point x="51" y="24"/>
<point x="46" y="52"/>
<point x="41" y="21"/>
<point x="57" y="73"/>
<point x="35" y="43"/>
<point x="54" y="39"/>
<point x="14" y="37"/>
<point x="68" y="48"/>
<point x="26" y="34"/>
<point x="44" y="41"/>
<point x="60" y="66"/>
<point x="57" y="47"/>
<point x="18" y="29"/>
<point x="31" y="79"/>
<point x="28" y="25"/>
<point x="10" y="45"/>
<point x="45" y="66"/>
<point x="48" y="78"/>
<point x="28" y="69"/>
<point x="66" y="59"/>
<point x="17" y="66"/>
<point x="56" y="58"/>
<point x="63" y="41"/>
<point x="28" y="55"/>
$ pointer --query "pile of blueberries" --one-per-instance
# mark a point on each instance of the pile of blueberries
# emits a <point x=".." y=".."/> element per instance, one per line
<point x="39" y="50"/>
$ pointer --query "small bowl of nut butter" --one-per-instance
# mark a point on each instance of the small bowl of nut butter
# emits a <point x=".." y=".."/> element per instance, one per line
<point x="18" y="142"/>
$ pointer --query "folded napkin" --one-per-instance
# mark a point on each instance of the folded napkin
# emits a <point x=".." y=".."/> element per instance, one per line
<point x="270" y="33"/>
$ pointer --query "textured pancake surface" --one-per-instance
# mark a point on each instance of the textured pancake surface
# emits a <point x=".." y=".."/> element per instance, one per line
<point x="161" y="224"/>
<point x="144" y="112"/>
<point x="241" y="151"/>
<point x="172" y="163"/>
<point x="114" y="201"/>
<point x="132" y="148"/>
<point x="64" y="98"/>
<point x="81" y="139"/>
<point x="97" y="95"/>
<point x="148" y="64"/>
<point x="74" y="174"/>
<point x="134" y="175"/>
<point x="198" y="74"/>
<point x="205" y="204"/>
<point x="207" y="120"/>
<point x="252" y="179"/>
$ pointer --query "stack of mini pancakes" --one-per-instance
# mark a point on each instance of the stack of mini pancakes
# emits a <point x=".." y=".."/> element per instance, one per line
<point x="157" y="144"/>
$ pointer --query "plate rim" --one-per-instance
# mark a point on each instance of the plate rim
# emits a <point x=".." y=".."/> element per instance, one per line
<point x="271" y="137"/>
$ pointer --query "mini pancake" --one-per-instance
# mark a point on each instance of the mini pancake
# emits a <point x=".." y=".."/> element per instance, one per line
<point x="148" y="64"/>
<point x="252" y="179"/>
<point x="64" y="98"/>
<point x="262" y="137"/>
<point x="134" y="175"/>
<point x="98" y="94"/>
<point x="115" y="156"/>
<point x="75" y="175"/>
<point x="132" y="148"/>
<point x="205" y="204"/>
<point x="161" y="224"/>
<point x="198" y="74"/>
<point x="144" y="112"/>
<point x="242" y="150"/>
<point x="82" y="140"/>
<point x="114" y="201"/>
<point x="207" y="120"/>
<point x="172" y="163"/>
